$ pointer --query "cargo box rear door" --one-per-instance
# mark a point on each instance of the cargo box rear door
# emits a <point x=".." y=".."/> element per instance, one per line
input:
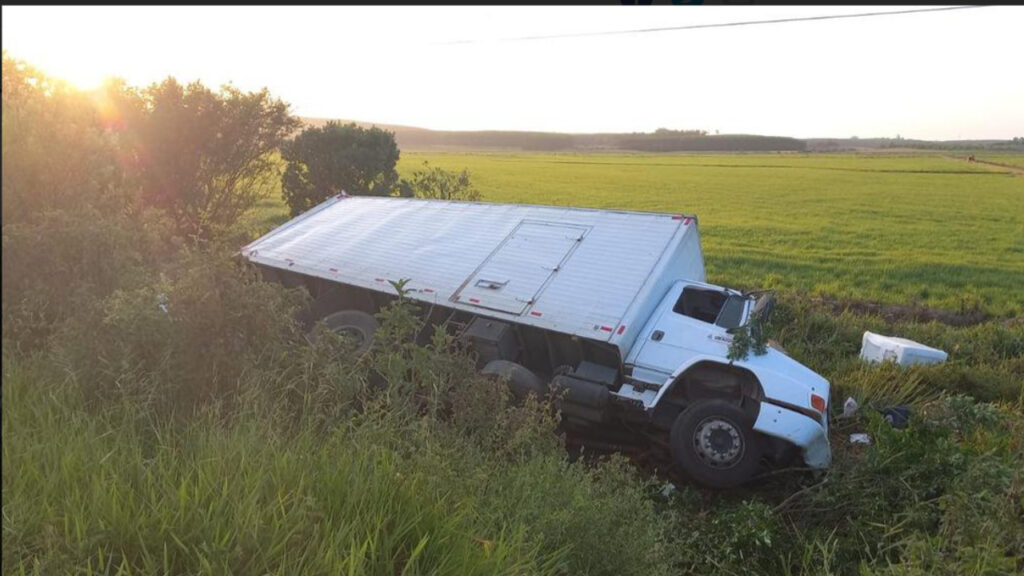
<point x="519" y="269"/>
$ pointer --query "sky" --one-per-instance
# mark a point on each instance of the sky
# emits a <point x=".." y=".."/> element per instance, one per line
<point x="942" y="75"/>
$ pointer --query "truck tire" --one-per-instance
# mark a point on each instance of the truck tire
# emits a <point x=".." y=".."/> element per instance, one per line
<point x="521" y="381"/>
<point x="358" y="325"/>
<point x="714" y="444"/>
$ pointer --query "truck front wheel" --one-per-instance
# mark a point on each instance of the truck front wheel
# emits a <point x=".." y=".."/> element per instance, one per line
<point x="713" y="443"/>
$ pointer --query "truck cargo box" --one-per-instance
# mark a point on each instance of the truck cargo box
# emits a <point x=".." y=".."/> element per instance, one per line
<point x="596" y="274"/>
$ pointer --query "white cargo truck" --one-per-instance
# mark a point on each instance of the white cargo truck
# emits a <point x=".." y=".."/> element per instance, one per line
<point x="607" y="309"/>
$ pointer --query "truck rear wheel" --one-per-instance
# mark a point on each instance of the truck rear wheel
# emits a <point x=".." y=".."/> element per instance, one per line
<point x="521" y="381"/>
<point x="359" y="326"/>
<point x="713" y="443"/>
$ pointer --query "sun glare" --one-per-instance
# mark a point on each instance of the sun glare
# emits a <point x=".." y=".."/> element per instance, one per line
<point x="81" y="73"/>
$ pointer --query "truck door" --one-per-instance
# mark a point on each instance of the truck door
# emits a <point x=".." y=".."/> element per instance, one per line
<point x="691" y="321"/>
<point x="519" y="269"/>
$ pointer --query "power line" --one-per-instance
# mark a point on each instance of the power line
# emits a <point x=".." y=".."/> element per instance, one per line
<point x="720" y="25"/>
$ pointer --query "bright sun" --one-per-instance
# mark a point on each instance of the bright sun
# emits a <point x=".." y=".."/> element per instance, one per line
<point x="78" y="69"/>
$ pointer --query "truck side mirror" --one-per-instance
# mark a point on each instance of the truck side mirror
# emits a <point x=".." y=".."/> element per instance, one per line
<point x="764" y="306"/>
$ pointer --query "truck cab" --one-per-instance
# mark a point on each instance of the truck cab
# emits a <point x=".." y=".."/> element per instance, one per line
<point x="679" y="363"/>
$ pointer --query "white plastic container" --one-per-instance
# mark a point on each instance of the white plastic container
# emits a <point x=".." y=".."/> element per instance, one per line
<point x="879" y="348"/>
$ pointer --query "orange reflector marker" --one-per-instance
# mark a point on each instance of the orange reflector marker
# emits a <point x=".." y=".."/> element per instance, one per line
<point x="818" y="403"/>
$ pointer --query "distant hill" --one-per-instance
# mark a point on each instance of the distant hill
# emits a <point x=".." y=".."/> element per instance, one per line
<point x="413" y="138"/>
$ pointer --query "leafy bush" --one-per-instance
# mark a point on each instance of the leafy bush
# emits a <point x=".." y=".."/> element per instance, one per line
<point x="204" y="157"/>
<point x="184" y="340"/>
<point x="65" y="261"/>
<point x="335" y="158"/>
<point x="56" y="152"/>
<point x="440" y="184"/>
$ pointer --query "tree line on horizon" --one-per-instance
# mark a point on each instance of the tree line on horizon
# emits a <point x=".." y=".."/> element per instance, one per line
<point x="662" y="140"/>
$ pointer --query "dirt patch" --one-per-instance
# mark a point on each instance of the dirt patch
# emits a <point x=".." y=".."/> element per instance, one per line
<point x="904" y="313"/>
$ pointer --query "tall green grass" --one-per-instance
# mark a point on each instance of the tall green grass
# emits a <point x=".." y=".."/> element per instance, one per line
<point x="270" y="455"/>
<point x="99" y="493"/>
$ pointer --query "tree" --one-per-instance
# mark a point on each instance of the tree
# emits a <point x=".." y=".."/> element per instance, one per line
<point x="204" y="157"/>
<point x="335" y="158"/>
<point x="73" y="229"/>
<point x="435" y="182"/>
<point x="56" y="154"/>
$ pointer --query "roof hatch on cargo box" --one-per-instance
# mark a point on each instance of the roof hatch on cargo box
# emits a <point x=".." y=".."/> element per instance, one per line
<point x="519" y="269"/>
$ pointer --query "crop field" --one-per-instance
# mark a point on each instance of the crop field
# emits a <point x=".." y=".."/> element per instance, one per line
<point x="1016" y="160"/>
<point x="929" y="230"/>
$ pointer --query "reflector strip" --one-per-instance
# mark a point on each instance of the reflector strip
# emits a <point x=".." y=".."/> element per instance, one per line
<point x="606" y="328"/>
<point x="686" y="221"/>
<point x="535" y="313"/>
<point x="621" y="329"/>
<point x="474" y="300"/>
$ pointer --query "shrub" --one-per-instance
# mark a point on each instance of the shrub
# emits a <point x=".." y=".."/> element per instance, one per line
<point x="336" y="158"/>
<point x="57" y="154"/>
<point x="438" y="183"/>
<point x="184" y="340"/>
<point x="66" y="261"/>
<point x="204" y="157"/>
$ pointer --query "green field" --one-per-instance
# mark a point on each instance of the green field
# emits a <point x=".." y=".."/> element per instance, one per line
<point x="909" y="229"/>
<point x="1007" y="159"/>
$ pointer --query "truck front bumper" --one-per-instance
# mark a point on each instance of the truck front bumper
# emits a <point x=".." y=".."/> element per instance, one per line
<point x="798" y="429"/>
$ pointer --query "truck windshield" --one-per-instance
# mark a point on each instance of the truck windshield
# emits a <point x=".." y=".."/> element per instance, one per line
<point x="731" y="315"/>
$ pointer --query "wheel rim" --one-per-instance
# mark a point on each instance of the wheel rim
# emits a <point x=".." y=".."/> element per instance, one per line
<point x="718" y="442"/>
